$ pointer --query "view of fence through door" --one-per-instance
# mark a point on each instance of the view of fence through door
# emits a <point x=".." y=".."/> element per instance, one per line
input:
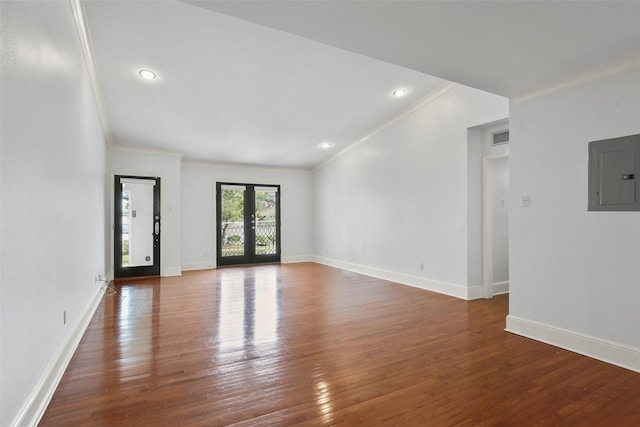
<point x="136" y="226"/>
<point x="248" y="223"/>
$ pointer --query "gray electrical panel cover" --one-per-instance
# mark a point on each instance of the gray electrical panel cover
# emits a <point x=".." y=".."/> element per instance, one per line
<point x="613" y="174"/>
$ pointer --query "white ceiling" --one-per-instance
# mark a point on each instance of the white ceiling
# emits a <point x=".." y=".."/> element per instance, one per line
<point x="510" y="48"/>
<point x="230" y="90"/>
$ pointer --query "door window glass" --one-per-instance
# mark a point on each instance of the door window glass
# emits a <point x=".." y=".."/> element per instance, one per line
<point x="232" y="225"/>
<point x="265" y="220"/>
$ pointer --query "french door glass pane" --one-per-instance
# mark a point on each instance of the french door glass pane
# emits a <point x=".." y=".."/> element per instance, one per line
<point x="265" y="221"/>
<point x="137" y="223"/>
<point x="232" y="221"/>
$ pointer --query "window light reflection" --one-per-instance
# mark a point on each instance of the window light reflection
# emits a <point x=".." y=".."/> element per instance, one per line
<point x="266" y="306"/>
<point x="135" y="330"/>
<point x="248" y="308"/>
<point x="231" y="309"/>
<point x="323" y="399"/>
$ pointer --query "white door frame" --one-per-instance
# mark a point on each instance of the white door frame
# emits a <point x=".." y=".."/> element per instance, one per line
<point x="487" y="225"/>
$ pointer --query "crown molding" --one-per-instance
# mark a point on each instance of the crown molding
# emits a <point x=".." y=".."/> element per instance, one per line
<point x="92" y="69"/>
<point x="140" y="150"/>
<point x="240" y="166"/>
<point x="425" y="100"/>
<point x="598" y="73"/>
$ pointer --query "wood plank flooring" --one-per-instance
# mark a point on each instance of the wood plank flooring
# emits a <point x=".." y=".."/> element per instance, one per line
<point x="305" y="344"/>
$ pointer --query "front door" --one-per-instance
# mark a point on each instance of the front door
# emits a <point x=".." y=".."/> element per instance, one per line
<point x="136" y="226"/>
<point x="248" y="223"/>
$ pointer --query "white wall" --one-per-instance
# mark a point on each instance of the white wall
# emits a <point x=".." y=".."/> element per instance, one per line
<point x="53" y="199"/>
<point x="573" y="270"/>
<point x="474" y="206"/>
<point x="399" y="199"/>
<point x="199" y="215"/>
<point x="166" y="167"/>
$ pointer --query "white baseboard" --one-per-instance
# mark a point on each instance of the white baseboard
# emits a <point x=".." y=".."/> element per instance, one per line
<point x="33" y="409"/>
<point x="206" y="265"/>
<point x="501" y="288"/>
<point x="201" y="265"/>
<point x="171" y="271"/>
<point x="476" y="292"/>
<point x="608" y="351"/>
<point x="451" y="289"/>
<point x="296" y="258"/>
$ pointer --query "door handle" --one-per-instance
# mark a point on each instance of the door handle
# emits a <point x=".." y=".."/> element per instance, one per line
<point x="157" y="228"/>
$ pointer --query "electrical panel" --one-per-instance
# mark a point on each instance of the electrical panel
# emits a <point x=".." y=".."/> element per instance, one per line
<point x="613" y="174"/>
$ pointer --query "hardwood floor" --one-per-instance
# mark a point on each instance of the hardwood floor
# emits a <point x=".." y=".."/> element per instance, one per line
<point x="305" y="344"/>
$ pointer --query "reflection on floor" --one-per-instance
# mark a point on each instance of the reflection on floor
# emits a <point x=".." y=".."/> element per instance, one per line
<point x="309" y="344"/>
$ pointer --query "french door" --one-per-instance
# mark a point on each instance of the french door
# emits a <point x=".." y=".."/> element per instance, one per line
<point x="248" y="223"/>
<point x="136" y="226"/>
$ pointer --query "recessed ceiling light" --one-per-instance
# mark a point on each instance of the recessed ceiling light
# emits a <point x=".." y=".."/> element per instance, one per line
<point x="325" y="145"/>
<point x="400" y="92"/>
<point x="147" y="74"/>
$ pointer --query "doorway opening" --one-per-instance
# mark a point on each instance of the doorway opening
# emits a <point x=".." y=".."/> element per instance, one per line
<point x="248" y="223"/>
<point x="495" y="229"/>
<point x="136" y="226"/>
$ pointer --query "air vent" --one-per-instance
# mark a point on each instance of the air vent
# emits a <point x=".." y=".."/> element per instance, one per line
<point x="501" y="137"/>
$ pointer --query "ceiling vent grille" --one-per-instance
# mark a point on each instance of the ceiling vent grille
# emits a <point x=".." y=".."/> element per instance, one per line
<point x="501" y="137"/>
